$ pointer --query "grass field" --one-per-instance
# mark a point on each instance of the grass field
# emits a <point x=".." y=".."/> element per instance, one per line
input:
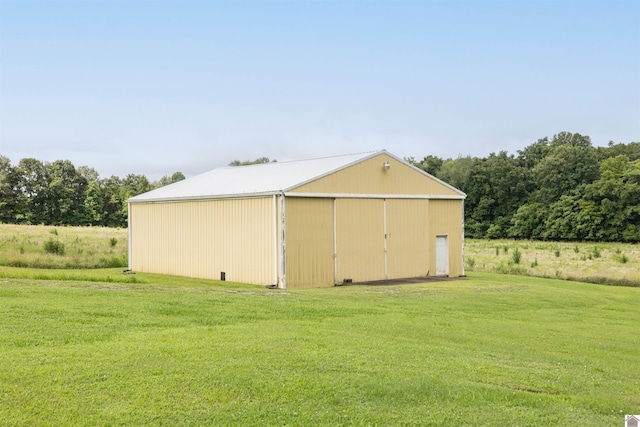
<point x="607" y="263"/>
<point x="488" y="350"/>
<point x="83" y="344"/>
<point x="69" y="247"/>
<point x="99" y="247"/>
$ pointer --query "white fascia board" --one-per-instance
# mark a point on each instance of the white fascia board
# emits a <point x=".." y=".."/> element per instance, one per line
<point x="377" y="196"/>
<point x="204" y="198"/>
<point x="355" y="162"/>
<point x="374" y="154"/>
<point x="449" y="186"/>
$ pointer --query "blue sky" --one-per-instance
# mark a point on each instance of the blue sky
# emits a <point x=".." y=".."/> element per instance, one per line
<point x="154" y="87"/>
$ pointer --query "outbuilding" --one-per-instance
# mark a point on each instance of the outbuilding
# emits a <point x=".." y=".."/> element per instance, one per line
<point x="299" y="224"/>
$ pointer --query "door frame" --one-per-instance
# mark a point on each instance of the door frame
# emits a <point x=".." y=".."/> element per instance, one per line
<point x="446" y="255"/>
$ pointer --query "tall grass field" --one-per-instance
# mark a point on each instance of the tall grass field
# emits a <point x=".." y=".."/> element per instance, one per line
<point x="87" y="347"/>
<point x="605" y="263"/>
<point x="62" y="247"/>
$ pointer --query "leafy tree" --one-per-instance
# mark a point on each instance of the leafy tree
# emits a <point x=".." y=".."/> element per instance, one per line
<point x="571" y="139"/>
<point x="89" y="174"/>
<point x="529" y="221"/>
<point x="105" y="201"/>
<point x="564" y="169"/>
<point x="166" y="180"/>
<point x="533" y="154"/>
<point x="430" y="164"/>
<point x="606" y="210"/>
<point x="32" y="186"/>
<point x="135" y="184"/>
<point x="177" y="176"/>
<point x="258" y="161"/>
<point x="614" y="202"/>
<point x="94" y="203"/>
<point x="562" y="219"/>
<point x="8" y="194"/>
<point x="496" y="187"/>
<point x="456" y="172"/>
<point x="631" y="150"/>
<point x="63" y="201"/>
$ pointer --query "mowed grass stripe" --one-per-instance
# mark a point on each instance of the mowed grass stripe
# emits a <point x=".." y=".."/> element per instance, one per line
<point x="491" y="349"/>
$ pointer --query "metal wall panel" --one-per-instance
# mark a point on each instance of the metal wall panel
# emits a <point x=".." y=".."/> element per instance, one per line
<point x="407" y="238"/>
<point x="445" y="219"/>
<point x="360" y="239"/>
<point x="204" y="238"/>
<point x="370" y="177"/>
<point x="309" y="242"/>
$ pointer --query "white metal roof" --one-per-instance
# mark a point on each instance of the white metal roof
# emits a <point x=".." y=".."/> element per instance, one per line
<point x="261" y="179"/>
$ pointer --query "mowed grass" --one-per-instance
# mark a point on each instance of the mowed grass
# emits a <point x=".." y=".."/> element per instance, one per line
<point x="487" y="350"/>
<point x="73" y="247"/>
<point x="607" y="263"/>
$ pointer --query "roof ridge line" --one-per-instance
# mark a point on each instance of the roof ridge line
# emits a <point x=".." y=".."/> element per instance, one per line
<point x="274" y="162"/>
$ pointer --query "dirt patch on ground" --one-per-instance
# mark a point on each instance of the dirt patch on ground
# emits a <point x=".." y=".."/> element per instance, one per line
<point x="406" y="281"/>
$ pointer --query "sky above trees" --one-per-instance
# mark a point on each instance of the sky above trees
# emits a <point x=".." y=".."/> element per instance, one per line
<point x="151" y="87"/>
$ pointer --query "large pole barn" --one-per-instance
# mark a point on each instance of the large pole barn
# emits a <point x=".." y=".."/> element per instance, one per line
<point x="299" y="224"/>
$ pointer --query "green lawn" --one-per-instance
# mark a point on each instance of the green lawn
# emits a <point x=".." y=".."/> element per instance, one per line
<point x="488" y="350"/>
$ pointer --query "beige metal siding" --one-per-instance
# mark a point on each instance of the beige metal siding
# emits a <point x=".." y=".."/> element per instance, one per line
<point x="203" y="238"/>
<point x="445" y="218"/>
<point x="309" y="242"/>
<point x="360" y="239"/>
<point x="370" y="177"/>
<point x="407" y="238"/>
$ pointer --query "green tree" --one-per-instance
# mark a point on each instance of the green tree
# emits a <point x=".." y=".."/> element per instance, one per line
<point x="533" y="154"/>
<point x="631" y="150"/>
<point x="9" y="200"/>
<point x="32" y="185"/>
<point x="65" y="194"/>
<point x="258" y="161"/>
<point x="614" y="202"/>
<point x="606" y="210"/>
<point x="89" y="174"/>
<point x="166" y="180"/>
<point x="115" y="195"/>
<point x="94" y="204"/>
<point x="497" y="186"/>
<point x="571" y="139"/>
<point x="561" y="222"/>
<point x="177" y="176"/>
<point x="430" y="164"/>
<point x="529" y="221"/>
<point x="135" y="184"/>
<point x="564" y="169"/>
<point x="456" y="172"/>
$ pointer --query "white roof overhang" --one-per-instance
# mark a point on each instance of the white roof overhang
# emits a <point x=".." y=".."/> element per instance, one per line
<point x="267" y="179"/>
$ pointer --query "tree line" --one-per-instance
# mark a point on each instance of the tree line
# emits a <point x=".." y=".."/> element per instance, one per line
<point x="558" y="189"/>
<point x="561" y="188"/>
<point x="58" y="193"/>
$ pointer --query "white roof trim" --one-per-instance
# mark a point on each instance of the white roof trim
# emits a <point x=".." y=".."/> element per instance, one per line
<point x="264" y="180"/>
<point x="439" y="181"/>
<point x="376" y="196"/>
<point x="253" y="180"/>
<point x="205" y="197"/>
<point x="373" y="154"/>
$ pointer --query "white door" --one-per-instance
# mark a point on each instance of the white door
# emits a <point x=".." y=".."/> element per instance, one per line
<point x="442" y="256"/>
